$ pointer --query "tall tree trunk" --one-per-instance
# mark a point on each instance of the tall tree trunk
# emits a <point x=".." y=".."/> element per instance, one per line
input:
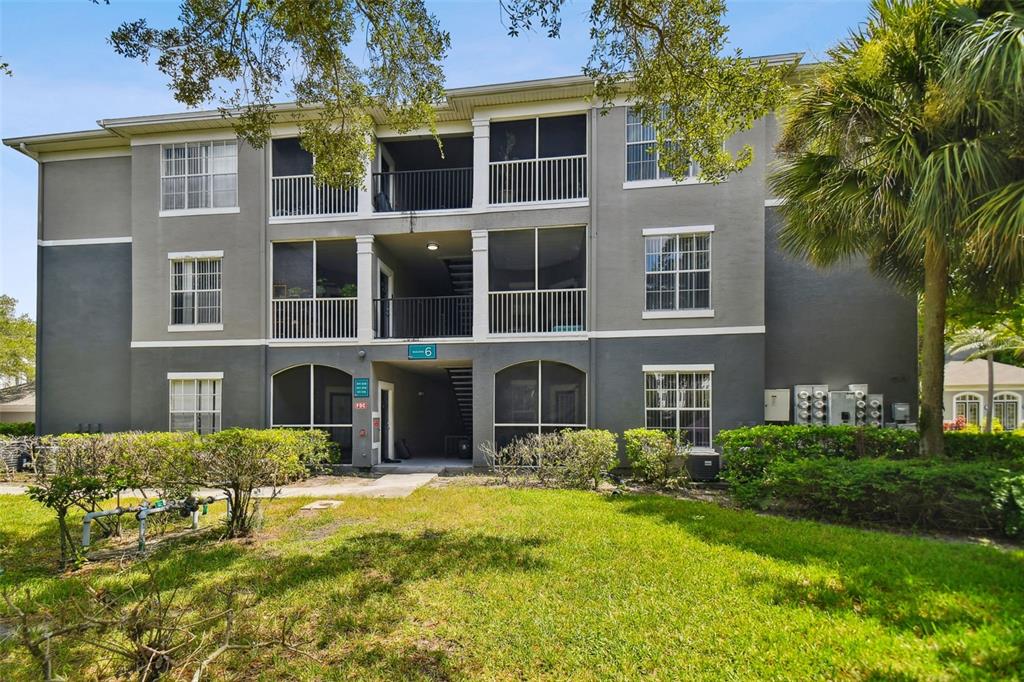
<point x="933" y="358"/>
<point x="991" y="406"/>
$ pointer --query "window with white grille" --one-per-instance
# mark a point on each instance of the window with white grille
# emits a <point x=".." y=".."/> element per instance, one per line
<point x="643" y="156"/>
<point x="968" y="406"/>
<point x="199" y="175"/>
<point x="195" y="405"/>
<point x="678" y="272"/>
<point x="679" y="403"/>
<point x="195" y="291"/>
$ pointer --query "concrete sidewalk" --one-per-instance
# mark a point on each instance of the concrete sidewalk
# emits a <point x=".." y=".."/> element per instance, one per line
<point x="389" y="485"/>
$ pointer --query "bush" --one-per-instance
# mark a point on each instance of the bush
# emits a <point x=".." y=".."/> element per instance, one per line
<point x="1000" y="447"/>
<point x="574" y="459"/>
<point x="651" y="454"/>
<point x="17" y="429"/>
<point x="240" y="461"/>
<point x="919" y="494"/>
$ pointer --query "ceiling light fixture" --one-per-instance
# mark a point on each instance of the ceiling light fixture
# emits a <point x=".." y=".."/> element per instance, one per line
<point x="432" y="246"/>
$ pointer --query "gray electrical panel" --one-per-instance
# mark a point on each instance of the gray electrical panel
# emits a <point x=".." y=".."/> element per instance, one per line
<point x="842" y="408"/>
<point x="810" y="404"/>
<point x="901" y="413"/>
<point x="776" y="405"/>
<point x="875" y="410"/>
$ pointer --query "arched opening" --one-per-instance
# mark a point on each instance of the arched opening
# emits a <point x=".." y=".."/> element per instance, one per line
<point x="538" y="396"/>
<point x="1006" y="408"/>
<point x="968" y="406"/>
<point x="315" y="397"/>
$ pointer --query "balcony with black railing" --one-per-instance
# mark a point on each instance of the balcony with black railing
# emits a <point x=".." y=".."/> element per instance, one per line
<point x="423" y="317"/>
<point x="436" y="189"/>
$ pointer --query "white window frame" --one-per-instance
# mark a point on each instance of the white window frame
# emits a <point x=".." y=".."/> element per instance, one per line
<point x="1000" y="403"/>
<point x="194" y="258"/>
<point x="692" y="174"/>
<point x="965" y="399"/>
<point x="689" y="231"/>
<point x="187" y="173"/>
<point x="677" y="371"/>
<point x="197" y="381"/>
<point x="540" y="424"/>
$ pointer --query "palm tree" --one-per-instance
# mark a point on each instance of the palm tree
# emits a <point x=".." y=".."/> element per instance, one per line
<point x="905" y="149"/>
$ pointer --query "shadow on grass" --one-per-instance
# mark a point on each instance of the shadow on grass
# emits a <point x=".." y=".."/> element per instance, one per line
<point x="907" y="584"/>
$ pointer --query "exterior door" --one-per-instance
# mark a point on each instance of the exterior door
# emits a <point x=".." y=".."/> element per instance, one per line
<point x="386" y="403"/>
<point x="385" y="294"/>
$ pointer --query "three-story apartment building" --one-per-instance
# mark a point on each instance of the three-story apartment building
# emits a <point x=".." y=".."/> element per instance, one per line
<point x="541" y="274"/>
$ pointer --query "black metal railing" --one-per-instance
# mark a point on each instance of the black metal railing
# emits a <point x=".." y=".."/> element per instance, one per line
<point x="423" y="190"/>
<point x="423" y="317"/>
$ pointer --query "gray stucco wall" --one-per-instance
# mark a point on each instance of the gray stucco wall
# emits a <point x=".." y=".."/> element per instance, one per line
<point x="836" y="327"/>
<point x="620" y="216"/>
<point x="87" y="198"/>
<point x="242" y="237"/>
<point x="243" y="387"/>
<point x="84" y="337"/>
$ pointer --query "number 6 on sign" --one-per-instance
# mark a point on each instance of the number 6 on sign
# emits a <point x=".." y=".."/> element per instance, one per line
<point x="422" y="351"/>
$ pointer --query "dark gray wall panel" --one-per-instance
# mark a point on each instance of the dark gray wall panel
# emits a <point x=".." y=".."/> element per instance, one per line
<point x="87" y="198"/>
<point x="836" y="327"/>
<point x="84" y="337"/>
<point x="243" y="388"/>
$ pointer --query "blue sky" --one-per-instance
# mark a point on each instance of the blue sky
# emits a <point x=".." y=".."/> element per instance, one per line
<point x="66" y="76"/>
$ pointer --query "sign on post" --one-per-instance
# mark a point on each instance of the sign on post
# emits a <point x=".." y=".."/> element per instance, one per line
<point x="422" y="351"/>
<point x="361" y="388"/>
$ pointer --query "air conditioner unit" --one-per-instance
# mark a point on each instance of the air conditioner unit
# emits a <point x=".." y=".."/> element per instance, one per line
<point x="842" y="408"/>
<point x="703" y="466"/>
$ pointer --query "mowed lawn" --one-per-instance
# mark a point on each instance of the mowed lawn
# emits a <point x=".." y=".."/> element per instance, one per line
<point x="491" y="583"/>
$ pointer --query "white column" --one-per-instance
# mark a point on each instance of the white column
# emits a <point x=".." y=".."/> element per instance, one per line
<point x="364" y="288"/>
<point x="365" y="202"/>
<point x="481" y="162"/>
<point x="480" y="285"/>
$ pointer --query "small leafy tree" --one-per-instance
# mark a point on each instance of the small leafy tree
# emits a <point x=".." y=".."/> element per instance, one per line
<point x="242" y="461"/>
<point x="588" y="456"/>
<point x="17" y="341"/>
<point x="76" y="472"/>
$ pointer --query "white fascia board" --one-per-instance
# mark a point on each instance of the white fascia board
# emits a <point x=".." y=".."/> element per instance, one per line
<point x="195" y="375"/>
<point x="199" y="135"/>
<point x="78" y="154"/>
<point x="682" y="229"/>
<point x="529" y="109"/>
<point x="178" y="255"/>
<point x="680" y="368"/>
<point x="85" y="242"/>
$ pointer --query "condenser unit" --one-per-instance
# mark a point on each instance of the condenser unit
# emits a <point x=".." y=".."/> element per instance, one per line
<point x="842" y="408"/>
<point x="875" y="410"/>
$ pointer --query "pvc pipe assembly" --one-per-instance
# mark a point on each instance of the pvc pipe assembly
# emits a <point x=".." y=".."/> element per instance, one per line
<point x="144" y="511"/>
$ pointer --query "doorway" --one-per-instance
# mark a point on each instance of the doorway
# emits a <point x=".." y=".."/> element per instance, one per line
<point x="386" y="403"/>
<point x="385" y="296"/>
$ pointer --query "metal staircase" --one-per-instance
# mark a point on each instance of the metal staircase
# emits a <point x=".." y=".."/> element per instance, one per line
<point x="460" y="274"/>
<point x="461" y="379"/>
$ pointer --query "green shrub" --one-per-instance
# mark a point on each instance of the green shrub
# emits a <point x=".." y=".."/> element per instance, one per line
<point x="1001" y="447"/>
<point x="17" y="429"/>
<point x="573" y="459"/>
<point x="651" y="455"/>
<point x="587" y="457"/>
<point x="920" y="494"/>
<point x="1009" y="501"/>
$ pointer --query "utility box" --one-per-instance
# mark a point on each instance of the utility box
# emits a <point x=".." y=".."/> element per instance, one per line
<point x="776" y="405"/>
<point x="842" y="408"/>
<point x="810" y="404"/>
<point x="874" y="413"/>
<point x="860" y="389"/>
<point x="901" y="413"/>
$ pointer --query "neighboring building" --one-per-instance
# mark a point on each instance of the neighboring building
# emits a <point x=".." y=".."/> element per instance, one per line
<point x="966" y="393"/>
<point x="18" y="403"/>
<point x="543" y="274"/>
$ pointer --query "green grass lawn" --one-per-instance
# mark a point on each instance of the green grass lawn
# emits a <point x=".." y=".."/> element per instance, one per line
<point x="477" y="582"/>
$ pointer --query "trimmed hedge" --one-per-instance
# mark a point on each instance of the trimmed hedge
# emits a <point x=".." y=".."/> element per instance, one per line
<point x="920" y="494"/>
<point x="747" y="451"/>
<point x="872" y="475"/>
<point x="17" y="429"/>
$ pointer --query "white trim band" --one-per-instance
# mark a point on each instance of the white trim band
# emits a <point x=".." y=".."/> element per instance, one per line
<point x="195" y="375"/>
<point x="198" y="343"/>
<point x="695" y="331"/>
<point x="85" y="242"/>
<point x="768" y="203"/>
<point x="183" y="212"/>
<point x="682" y="229"/>
<point x="212" y="327"/>
<point x="680" y="368"/>
<point x="179" y="255"/>
<point x="677" y="314"/>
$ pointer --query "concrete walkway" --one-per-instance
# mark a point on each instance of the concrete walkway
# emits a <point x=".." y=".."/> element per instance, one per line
<point x="389" y="485"/>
